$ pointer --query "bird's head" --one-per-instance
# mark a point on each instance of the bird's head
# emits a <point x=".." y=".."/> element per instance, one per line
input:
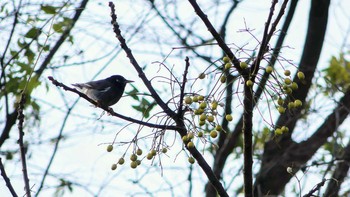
<point x="118" y="80"/>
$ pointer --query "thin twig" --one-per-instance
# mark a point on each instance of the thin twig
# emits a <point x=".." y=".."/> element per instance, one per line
<point x="20" y="118"/>
<point x="7" y="180"/>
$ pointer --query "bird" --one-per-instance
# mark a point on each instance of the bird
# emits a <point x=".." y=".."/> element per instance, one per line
<point x="106" y="92"/>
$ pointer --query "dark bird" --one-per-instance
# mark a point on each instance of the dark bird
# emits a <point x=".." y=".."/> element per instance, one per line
<point x="105" y="92"/>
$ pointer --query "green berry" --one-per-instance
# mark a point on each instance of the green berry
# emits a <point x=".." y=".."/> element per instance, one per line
<point x="195" y="99"/>
<point x="294" y="86"/>
<point x="214" y="105"/>
<point x="164" y="150"/>
<point x="202" y="117"/>
<point x="153" y="152"/>
<point x="291" y="105"/>
<point x="280" y="101"/>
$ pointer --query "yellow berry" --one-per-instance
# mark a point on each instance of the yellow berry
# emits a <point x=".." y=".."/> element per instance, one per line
<point x="291" y="105"/>
<point x="287" y="72"/>
<point x="269" y="69"/>
<point x="301" y="75"/>
<point x="195" y="99"/>
<point x="287" y="81"/>
<point x="200" y="134"/>
<point x="109" y="148"/>
<point x="298" y="103"/>
<point x="249" y="83"/>
<point x="153" y="152"/>
<point x="201" y="76"/>
<point x="114" y="166"/>
<point x="188" y="100"/>
<point x="133" y="157"/>
<point x="139" y="151"/>
<point x="288" y="91"/>
<point x="201" y="123"/>
<point x="223" y="79"/>
<point x="149" y="156"/>
<point x="210" y="118"/>
<point x="280" y="101"/>
<point x="202" y="117"/>
<point x="200" y="97"/>
<point x="294" y="86"/>
<point x="191" y="160"/>
<point x="190" y="135"/>
<point x="229" y="117"/>
<point x="226" y="59"/>
<point x="243" y="65"/>
<point x="121" y="161"/>
<point x="190" y="144"/>
<point x="218" y="127"/>
<point x="278" y="131"/>
<point x="214" y="105"/>
<point x="203" y="105"/>
<point x="281" y="109"/>
<point x="213" y="133"/>
<point x="285" y="129"/>
<point x="228" y="66"/>
<point x="133" y="164"/>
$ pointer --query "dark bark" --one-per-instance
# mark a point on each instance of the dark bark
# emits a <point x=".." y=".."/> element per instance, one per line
<point x="339" y="174"/>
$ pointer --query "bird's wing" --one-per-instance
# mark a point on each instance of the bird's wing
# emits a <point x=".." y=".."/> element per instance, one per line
<point x="100" y="85"/>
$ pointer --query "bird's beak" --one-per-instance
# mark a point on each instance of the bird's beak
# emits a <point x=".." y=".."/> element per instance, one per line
<point x="129" y="81"/>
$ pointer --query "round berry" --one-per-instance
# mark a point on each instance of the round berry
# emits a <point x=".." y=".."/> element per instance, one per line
<point x="228" y="66"/>
<point x="281" y="109"/>
<point x="243" y="65"/>
<point x="153" y="152"/>
<point x="287" y="72"/>
<point x="210" y="118"/>
<point x="114" y="166"/>
<point x="164" y="150"/>
<point x="249" y="83"/>
<point x="223" y="79"/>
<point x="133" y="157"/>
<point x="200" y="134"/>
<point x="287" y="81"/>
<point x="298" y="103"/>
<point x="190" y="144"/>
<point x="133" y="164"/>
<point x="226" y="59"/>
<point x="202" y="117"/>
<point x="139" y="151"/>
<point x="188" y="100"/>
<point x="301" y="75"/>
<point x="229" y="117"/>
<point x="269" y="69"/>
<point x="201" y="76"/>
<point x="278" y="131"/>
<point x="195" y="99"/>
<point x="203" y="105"/>
<point x="191" y="160"/>
<point x="218" y="127"/>
<point x="213" y="133"/>
<point x="121" y="161"/>
<point x="214" y="105"/>
<point x="294" y="86"/>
